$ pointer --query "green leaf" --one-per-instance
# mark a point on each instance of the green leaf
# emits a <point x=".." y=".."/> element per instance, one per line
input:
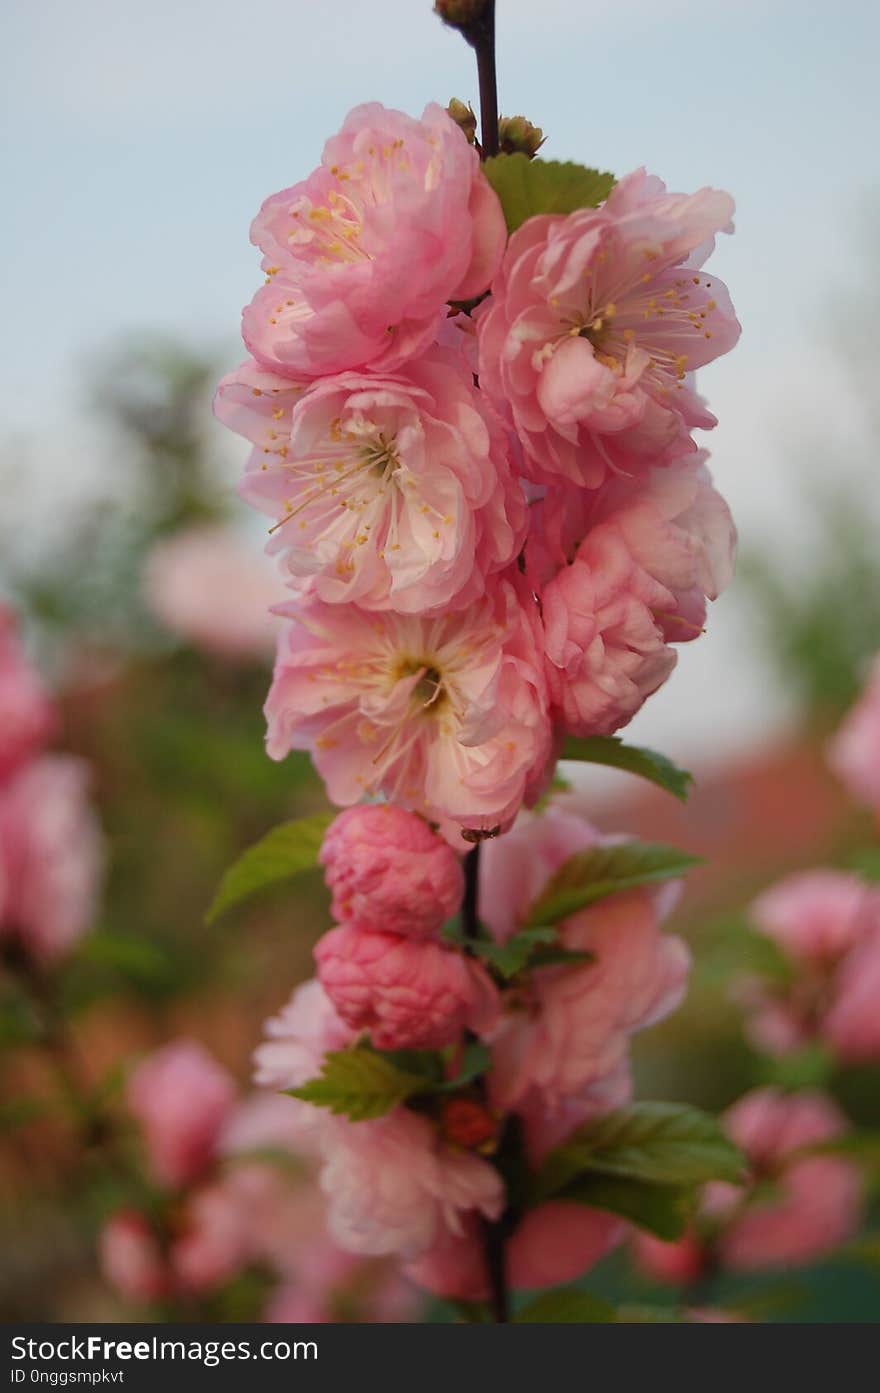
<point x="611" y="751"/>
<point x="663" y="1143"/>
<point x="284" y="852"/>
<point x="518" y="952"/>
<point x="137" y="959"/>
<point x="809" y="1067"/>
<point x="475" y="1060"/>
<point x="566" y="1306"/>
<point x="664" y="1210"/>
<point x="529" y="186"/>
<point x="735" y="949"/>
<point x="556" y="954"/>
<point x="360" y="1083"/>
<point x="605" y="870"/>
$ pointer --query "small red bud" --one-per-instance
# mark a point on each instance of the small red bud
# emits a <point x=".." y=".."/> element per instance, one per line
<point x="468" y="1123"/>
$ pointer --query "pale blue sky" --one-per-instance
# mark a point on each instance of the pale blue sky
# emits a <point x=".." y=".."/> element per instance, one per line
<point x="141" y="139"/>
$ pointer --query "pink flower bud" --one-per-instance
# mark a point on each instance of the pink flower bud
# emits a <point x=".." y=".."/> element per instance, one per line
<point x="388" y="870"/>
<point x="409" y="993"/>
<point x="854" y="751"/>
<point x="131" y="1258"/>
<point x="181" y="1097"/>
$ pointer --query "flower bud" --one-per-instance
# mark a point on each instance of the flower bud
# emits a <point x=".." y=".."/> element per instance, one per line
<point x="460" y="14"/>
<point x="516" y="134"/>
<point x="464" y="117"/>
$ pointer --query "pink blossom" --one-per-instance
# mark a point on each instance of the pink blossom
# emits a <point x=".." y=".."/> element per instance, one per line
<point x="394" y="491"/>
<point x="556" y="1242"/>
<point x="679" y="1263"/>
<point x="205" y="585"/>
<point x="854" y="751"/>
<point x="409" y="993"/>
<point x="393" y="1186"/>
<point x="298" y="1038"/>
<point x="827" y="924"/>
<point x="446" y="716"/>
<point x="27" y="715"/>
<point x="597" y="320"/>
<point x="623" y="571"/>
<point x="50" y="856"/>
<point x="817" y="1201"/>
<point x="569" y="1032"/>
<point x="131" y="1258"/>
<point x="217" y="1241"/>
<point x="389" y="871"/>
<point x="516" y="867"/>
<point x="362" y="256"/>
<point x="181" y="1097"/>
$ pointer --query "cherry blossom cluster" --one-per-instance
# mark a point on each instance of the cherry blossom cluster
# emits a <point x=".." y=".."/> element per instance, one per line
<point x="478" y="459"/>
<point x="50" y="846"/>
<point x="224" y="1201"/>
<point x="417" y="1182"/>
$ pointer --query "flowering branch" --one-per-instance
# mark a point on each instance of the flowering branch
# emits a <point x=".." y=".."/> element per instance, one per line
<point x="475" y="21"/>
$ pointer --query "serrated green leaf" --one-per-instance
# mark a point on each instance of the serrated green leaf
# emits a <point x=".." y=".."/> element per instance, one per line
<point x="359" y="1083"/>
<point x="662" y="1143"/>
<point x="611" y="751"/>
<point x="566" y="1306"/>
<point x="283" y="853"/>
<point x="605" y="870"/>
<point x="526" y="186"/>
<point x="663" y="1210"/>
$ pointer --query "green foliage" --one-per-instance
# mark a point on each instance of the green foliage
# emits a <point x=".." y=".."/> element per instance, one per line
<point x="647" y="764"/>
<point x="644" y="1162"/>
<point x="360" y="1083"/>
<point x="605" y="870"/>
<point x="530" y="947"/>
<point x="281" y="854"/>
<point x="528" y="186"/>
<point x="566" y="1306"/>
<point x="664" y="1210"/>
<point x="809" y="1067"/>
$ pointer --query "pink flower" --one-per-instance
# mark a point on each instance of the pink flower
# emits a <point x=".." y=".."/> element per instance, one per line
<point x="557" y="1242"/>
<point x="515" y="868"/>
<point x="205" y="585"/>
<point x="828" y="925"/>
<point x="817" y="1201"/>
<point x="623" y="571"/>
<point x="409" y="993"/>
<point x="298" y="1038"/>
<point x="50" y="856"/>
<point x="445" y="715"/>
<point x="854" y="752"/>
<point x="362" y="257"/>
<point x="566" y="1036"/>
<point x="27" y="716"/>
<point x="217" y="1239"/>
<point x="393" y="1186"/>
<point x="131" y="1258"/>
<point x="393" y="491"/>
<point x="389" y="871"/>
<point x="181" y="1097"/>
<point x="678" y="1263"/>
<point x="596" y="321"/>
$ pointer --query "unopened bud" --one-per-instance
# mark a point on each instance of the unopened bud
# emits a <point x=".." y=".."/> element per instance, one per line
<point x="469" y="1124"/>
<point x="464" y="117"/>
<point x="461" y="14"/>
<point x="516" y="135"/>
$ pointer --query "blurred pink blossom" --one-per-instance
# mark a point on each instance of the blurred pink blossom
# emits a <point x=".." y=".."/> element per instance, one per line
<point x="388" y="870"/>
<point x="408" y="993"/>
<point x="854" y="751"/>
<point x="181" y="1097"/>
<point x="210" y="588"/>
<point x="596" y="322"/>
<point x="827" y="924"/>
<point x="131" y="1258"/>
<point x="50" y="856"/>
<point x="27" y="715"/>
<point x="363" y="255"/>
<point x="393" y="1186"/>
<point x="395" y="492"/>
